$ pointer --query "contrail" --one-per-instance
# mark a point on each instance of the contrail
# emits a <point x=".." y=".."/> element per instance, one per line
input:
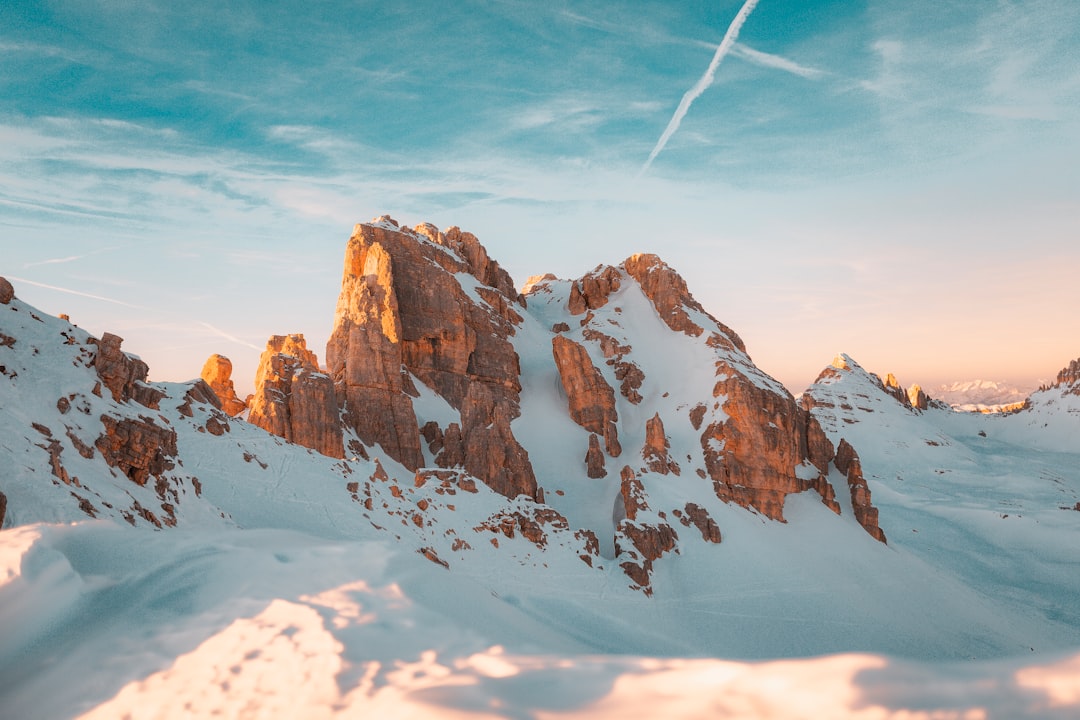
<point x="73" y="292"/>
<point x="227" y="336"/>
<point x="703" y="83"/>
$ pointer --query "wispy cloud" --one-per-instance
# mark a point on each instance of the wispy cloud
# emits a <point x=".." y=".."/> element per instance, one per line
<point x="54" y="261"/>
<point x="231" y="338"/>
<point x="703" y="83"/>
<point x="69" y="291"/>
<point x="776" y="62"/>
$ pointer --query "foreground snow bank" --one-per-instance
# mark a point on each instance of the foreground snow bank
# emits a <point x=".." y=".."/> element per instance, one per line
<point x="100" y="621"/>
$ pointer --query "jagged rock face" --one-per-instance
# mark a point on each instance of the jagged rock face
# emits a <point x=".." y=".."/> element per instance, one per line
<point x="491" y="452"/>
<point x="655" y="451"/>
<point x="1069" y="378"/>
<point x="364" y="353"/>
<point x="7" y="294"/>
<point x="847" y="462"/>
<point x="912" y="397"/>
<point x="592" y="401"/>
<point x="139" y="448"/>
<point x="434" y="305"/>
<point x="3" y="503"/>
<point x="592" y="291"/>
<point x="699" y="517"/>
<point x="121" y="373"/>
<point x="293" y="399"/>
<point x="594" y="459"/>
<point x="670" y="296"/>
<point x="217" y="372"/>
<point x="641" y="543"/>
<point x="752" y="456"/>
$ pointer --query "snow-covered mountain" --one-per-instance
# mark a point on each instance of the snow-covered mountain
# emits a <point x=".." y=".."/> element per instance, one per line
<point x="585" y="500"/>
<point x="983" y="395"/>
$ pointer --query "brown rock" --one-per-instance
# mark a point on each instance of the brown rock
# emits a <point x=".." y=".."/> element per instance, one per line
<point x="592" y="291"/>
<point x="364" y="353"/>
<point x="638" y="543"/>
<point x="3" y="505"/>
<point x="594" y="458"/>
<point x="627" y="373"/>
<point x="293" y="399"/>
<point x="491" y="451"/>
<point x="847" y="462"/>
<point x="591" y="399"/>
<point x="528" y="521"/>
<point x="671" y="298"/>
<point x="7" y="294"/>
<point x="217" y="372"/>
<point x="403" y="303"/>
<point x="119" y="371"/>
<point x="752" y="456"/>
<point x="655" y="451"/>
<point x="137" y="447"/>
<point x="453" y="450"/>
<point x="699" y="516"/>
<point x="632" y="493"/>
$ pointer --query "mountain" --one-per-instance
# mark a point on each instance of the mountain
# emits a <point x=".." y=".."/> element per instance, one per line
<point x="983" y="396"/>
<point x="574" y="499"/>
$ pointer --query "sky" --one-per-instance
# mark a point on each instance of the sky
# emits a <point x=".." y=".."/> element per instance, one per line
<point x="893" y="180"/>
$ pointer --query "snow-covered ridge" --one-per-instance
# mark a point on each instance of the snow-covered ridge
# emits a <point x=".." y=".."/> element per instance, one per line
<point x="401" y="584"/>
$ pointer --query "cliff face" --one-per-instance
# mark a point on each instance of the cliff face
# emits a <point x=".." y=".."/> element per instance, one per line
<point x="293" y="399"/>
<point x="432" y="306"/>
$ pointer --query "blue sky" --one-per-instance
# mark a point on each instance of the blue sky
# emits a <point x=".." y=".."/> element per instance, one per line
<point x="895" y="180"/>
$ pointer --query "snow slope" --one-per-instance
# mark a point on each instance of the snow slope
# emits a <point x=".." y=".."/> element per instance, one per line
<point x="298" y="585"/>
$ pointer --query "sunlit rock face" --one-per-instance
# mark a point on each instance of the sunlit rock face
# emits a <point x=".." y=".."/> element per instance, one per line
<point x="7" y="291"/>
<point x="432" y="306"/>
<point x="217" y="372"/>
<point x="1069" y="378"/>
<point x="294" y="399"/>
<point x="753" y="455"/>
<point x="591" y="399"/>
<point x="847" y="462"/>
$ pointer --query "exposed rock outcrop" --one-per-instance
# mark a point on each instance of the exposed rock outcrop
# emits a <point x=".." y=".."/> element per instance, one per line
<point x="592" y="291"/>
<point x="124" y="375"/>
<point x="431" y="305"/>
<point x="137" y="447"/>
<point x="294" y="399"/>
<point x="1068" y="379"/>
<point x="752" y="456"/>
<point x="655" y="451"/>
<point x="217" y="372"/>
<point x="594" y="458"/>
<point x="638" y="544"/>
<point x="847" y="462"/>
<point x="671" y="298"/>
<point x="7" y="294"/>
<point x="591" y="399"/>
<point x="699" y="517"/>
<point x="912" y="397"/>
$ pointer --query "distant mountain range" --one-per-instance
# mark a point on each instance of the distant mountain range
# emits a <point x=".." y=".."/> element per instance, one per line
<point x="480" y="484"/>
<point x="983" y="395"/>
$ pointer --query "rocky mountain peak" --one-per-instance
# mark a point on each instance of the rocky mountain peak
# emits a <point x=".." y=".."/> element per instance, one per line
<point x="1069" y="378"/>
<point x="217" y="372"/>
<point x="432" y="306"/>
<point x="294" y="399"/>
